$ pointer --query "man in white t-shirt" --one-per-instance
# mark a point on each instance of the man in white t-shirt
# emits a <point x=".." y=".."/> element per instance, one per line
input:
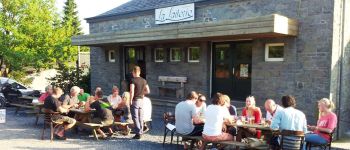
<point x="216" y="116"/>
<point x="271" y="109"/>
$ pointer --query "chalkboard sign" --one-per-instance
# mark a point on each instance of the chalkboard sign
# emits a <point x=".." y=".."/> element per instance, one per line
<point x="2" y="115"/>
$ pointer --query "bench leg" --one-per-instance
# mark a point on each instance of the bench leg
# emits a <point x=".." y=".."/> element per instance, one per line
<point x="51" y="131"/>
<point x="171" y="137"/>
<point x="95" y="134"/>
<point x="37" y="119"/>
<point x="43" y="132"/>
<point x="177" y="141"/>
<point x="165" y="133"/>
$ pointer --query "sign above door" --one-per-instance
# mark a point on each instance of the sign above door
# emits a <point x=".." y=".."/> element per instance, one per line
<point x="173" y="14"/>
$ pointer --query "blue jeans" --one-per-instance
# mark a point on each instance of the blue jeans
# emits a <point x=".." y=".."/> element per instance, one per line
<point x="137" y="115"/>
<point x="314" y="138"/>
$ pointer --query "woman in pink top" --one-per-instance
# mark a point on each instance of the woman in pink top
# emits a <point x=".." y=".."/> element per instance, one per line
<point x="48" y="91"/>
<point x="325" y="124"/>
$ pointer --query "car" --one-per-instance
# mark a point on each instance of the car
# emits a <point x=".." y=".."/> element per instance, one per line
<point x="11" y="90"/>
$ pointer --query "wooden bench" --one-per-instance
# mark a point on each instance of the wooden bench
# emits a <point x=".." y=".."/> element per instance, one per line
<point x="179" y="90"/>
<point x="94" y="127"/>
<point x="233" y="144"/>
<point x="19" y="106"/>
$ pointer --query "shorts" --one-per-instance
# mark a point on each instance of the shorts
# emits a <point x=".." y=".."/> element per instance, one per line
<point x="221" y="137"/>
<point x="63" y="119"/>
<point x="103" y="122"/>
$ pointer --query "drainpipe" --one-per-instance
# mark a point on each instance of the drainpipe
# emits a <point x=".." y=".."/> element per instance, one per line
<point x="341" y="67"/>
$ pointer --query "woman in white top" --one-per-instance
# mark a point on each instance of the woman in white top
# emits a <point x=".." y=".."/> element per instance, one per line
<point x="114" y="99"/>
<point x="216" y="116"/>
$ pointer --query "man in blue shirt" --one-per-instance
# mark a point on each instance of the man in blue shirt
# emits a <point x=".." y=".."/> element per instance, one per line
<point x="289" y="118"/>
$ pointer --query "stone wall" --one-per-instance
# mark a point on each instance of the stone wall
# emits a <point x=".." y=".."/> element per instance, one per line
<point x="104" y="73"/>
<point x="344" y="107"/>
<point x="310" y="70"/>
<point x="197" y="73"/>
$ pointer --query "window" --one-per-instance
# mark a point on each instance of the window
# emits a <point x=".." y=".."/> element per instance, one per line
<point x="175" y="54"/>
<point x="274" y="52"/>
<point x="111" y="56"/>
<point x="193" y="54"/>
<point x="159" y="55"/>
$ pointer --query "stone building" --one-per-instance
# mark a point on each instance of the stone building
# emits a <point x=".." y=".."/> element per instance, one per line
<point x="265" y="48"/>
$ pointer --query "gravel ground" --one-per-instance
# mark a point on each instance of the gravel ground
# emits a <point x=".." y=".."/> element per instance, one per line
<point x="20" y="132"/>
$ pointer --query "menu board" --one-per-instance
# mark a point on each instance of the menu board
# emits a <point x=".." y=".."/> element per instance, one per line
<point x="244" y="71"/>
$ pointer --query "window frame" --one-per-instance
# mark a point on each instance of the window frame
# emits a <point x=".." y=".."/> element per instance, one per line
<point x="188" y="54"/>
<point x="267" y="50"/>
<point x="110" y="52"/>
<point x="171" y="59"/>
<point x="155" y="55"/>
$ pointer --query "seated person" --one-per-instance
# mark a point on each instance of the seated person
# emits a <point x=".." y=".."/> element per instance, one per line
<point x="125" y="115"/>
<point x="252" y="112"/>
<point x="201" y="106"/>
<point x="71" y="100"/>
<point x="233" y="112"/>
<point x="231" y="108"/>
<point x="103" y="114"/>
<point x="187" y="121"/>
<point x="48" y="92"/>
<point x="147" y="113"/>
<point x="325" y="124"/>
<point x="289" y="118"/>
<point x="83" y="97"/>
<point x="114" y="99"/>
<point x="271" y="109"/>
<point x="215" y="118"/>
<point x="52" y="104"/>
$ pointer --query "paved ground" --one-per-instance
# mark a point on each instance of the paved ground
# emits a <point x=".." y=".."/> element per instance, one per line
<point x="19" y="132"/>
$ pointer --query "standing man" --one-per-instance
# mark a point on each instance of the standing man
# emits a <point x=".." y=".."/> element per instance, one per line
<point x="138" y="89"/>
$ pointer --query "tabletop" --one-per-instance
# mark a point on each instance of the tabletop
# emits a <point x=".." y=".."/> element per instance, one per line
<point x="257" y="126"/>
<point x="81" y="111"/>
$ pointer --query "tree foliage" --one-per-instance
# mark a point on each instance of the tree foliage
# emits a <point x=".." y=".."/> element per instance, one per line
<point x="32" y="34"/>
<point x="67" y="77"/>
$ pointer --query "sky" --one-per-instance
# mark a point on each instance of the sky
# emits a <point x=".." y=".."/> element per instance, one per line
<point x="90" y="8"/>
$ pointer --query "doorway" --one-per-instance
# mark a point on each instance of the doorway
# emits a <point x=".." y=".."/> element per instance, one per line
<point x="232" y="68"/>
<point x="134" y="56"/>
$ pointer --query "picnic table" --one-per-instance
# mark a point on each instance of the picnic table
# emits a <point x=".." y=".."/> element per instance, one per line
<point x="257" y="126"/>
<point x="33" y="106"/>
<point x="81" y="114"/>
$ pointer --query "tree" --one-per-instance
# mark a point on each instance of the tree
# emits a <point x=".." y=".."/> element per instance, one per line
<point x="71" y="19"/>
<point x="31" y="35"/>
<point x="66" y="78"/>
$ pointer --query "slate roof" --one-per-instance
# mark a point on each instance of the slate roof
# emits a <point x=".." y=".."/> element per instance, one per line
<point x="143" y="5"/>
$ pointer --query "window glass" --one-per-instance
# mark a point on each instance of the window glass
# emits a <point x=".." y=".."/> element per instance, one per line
<point x="193" y="54"/>
<point x="274" y="52"/>
<point x="159" y="55"/>
<point x="175" y="54"/>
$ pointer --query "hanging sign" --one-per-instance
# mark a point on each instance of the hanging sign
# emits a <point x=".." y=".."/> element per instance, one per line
<point x="172" y="14"/>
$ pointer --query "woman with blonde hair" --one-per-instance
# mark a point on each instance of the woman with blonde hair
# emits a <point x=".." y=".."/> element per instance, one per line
<point x="325" y="124"/>
<point x="125" y="117"/>
<point x="250" y="112"/>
